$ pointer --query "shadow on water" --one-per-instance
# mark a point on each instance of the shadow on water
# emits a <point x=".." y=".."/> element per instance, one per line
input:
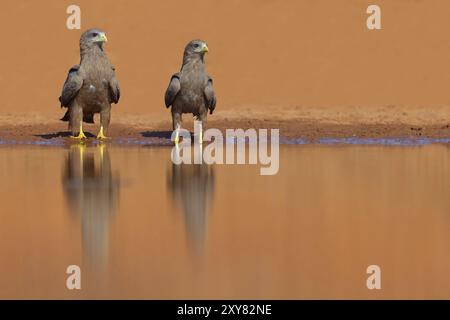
<point x="192" y="189"/>
<point x="91" y="190"/>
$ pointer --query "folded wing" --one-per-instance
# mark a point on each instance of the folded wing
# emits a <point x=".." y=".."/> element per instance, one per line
<point x="114" y="89"/>
<point x="72" y="85"/>
<point x="172" y="90"/>
<point x="210" y="96"/>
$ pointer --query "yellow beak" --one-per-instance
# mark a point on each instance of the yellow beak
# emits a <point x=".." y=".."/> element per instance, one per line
<point x="103" y="38"/>
<point x="205" y="48"/>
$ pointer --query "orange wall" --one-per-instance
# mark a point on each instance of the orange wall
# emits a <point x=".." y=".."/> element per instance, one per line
<point x="263" y="52"/>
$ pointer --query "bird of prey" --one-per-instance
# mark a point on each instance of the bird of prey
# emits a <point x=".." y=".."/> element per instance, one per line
<point x="90" y="87"/>
<point x="191" y="89"/>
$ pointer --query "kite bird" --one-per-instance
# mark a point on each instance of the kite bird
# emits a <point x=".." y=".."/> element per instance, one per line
<point x="191" y="89"/>
<point x="90" y="87"/>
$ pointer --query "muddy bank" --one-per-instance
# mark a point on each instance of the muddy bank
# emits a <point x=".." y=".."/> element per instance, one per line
<point x="306" y="125"/>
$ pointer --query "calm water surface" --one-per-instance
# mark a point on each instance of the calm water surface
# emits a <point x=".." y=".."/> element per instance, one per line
<point x="140" y="227"/>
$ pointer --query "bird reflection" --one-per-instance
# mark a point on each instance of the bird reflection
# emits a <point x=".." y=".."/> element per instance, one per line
<point x="92" y="191"/>
<point x="192" y="188"/>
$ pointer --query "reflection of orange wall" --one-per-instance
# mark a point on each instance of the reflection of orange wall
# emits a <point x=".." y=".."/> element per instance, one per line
<point x="290" y="52"/>
<point x="38" y="238"/>
<point x="308" y="232"/>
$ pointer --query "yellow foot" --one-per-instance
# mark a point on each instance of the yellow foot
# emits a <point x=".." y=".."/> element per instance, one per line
<point x="100" y="135"/>
<point x="80" y="136"/>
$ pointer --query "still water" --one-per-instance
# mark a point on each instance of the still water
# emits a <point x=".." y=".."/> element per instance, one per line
<point x="140" y="227"/>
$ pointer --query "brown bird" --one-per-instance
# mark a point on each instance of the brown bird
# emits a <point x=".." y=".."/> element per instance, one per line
<point x="191" y="89"/>
<point x="91" y="86"/>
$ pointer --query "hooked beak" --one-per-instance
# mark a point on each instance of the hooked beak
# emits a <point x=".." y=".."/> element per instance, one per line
<point x="103" y="38"/>
<point x="205" y="48"/>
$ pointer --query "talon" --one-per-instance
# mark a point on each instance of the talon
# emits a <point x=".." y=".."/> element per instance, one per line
<point x="81" y="135"/>
<point x="100" y="135"/>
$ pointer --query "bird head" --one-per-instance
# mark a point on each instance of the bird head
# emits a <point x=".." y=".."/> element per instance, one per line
<point x="196" y="48"/>
<point x="93" y="37"/>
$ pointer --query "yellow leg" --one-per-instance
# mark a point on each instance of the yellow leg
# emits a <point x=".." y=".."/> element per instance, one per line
<point x="100" y="135"/>
<point x="177" y="136"/>
<point x="81" y="134"/>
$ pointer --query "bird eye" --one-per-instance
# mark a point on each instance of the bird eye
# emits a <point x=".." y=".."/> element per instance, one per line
<point x="94" y="34"/>
<point x="196" y="45"/>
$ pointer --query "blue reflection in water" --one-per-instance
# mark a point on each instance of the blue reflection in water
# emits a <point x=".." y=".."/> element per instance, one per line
<point x="384" y="141"/>
<point x="367" y="141"/>
<point x="419" y="141"/>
